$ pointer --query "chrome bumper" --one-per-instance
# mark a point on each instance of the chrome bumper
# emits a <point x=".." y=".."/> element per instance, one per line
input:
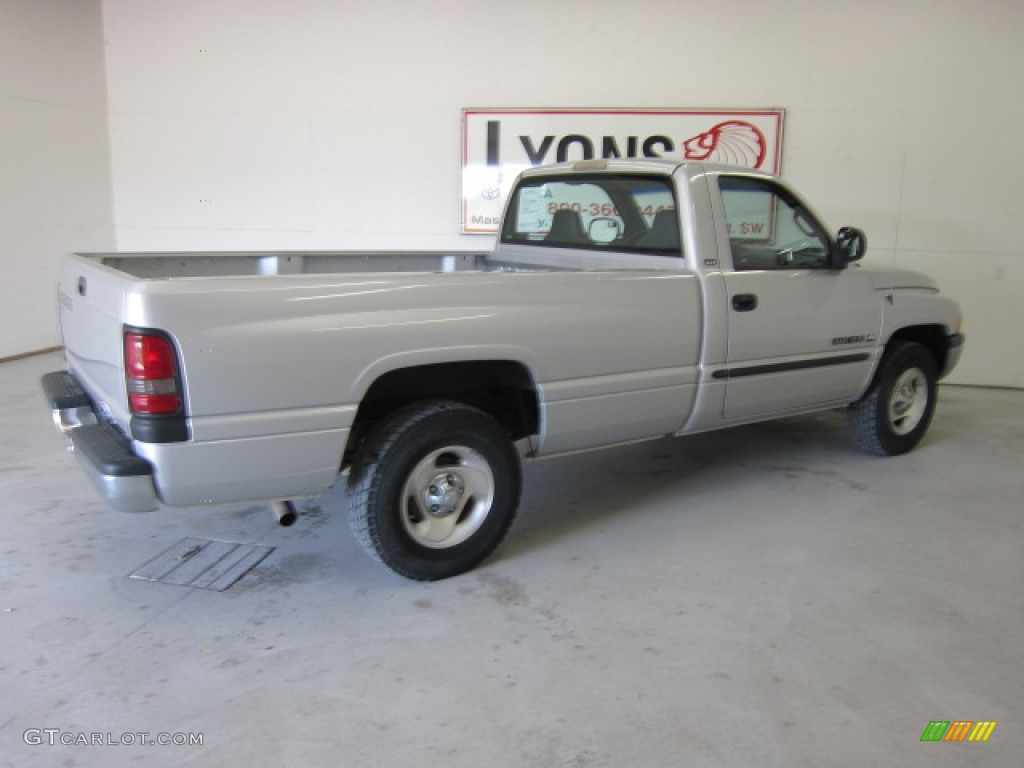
<point x="124" y="479"/>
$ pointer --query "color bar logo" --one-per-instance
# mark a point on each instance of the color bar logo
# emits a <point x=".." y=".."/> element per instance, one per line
<point x="958" y="730"/>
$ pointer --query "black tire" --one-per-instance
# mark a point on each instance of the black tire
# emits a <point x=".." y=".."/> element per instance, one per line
<point x="434" y="490"/>
<point x="895" y="413"/>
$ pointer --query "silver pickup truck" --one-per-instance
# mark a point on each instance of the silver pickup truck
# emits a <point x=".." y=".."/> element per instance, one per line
<point x="623" y="301"/>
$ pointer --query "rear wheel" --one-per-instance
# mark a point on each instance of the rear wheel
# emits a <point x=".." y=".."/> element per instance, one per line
<point x="895" y="413"/>
<point x="434" y="490"/>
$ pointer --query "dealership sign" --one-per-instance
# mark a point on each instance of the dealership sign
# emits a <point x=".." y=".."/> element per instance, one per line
<point x="499" y="143"/>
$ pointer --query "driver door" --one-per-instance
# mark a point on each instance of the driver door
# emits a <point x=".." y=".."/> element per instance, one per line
<point x="801" y="333"/>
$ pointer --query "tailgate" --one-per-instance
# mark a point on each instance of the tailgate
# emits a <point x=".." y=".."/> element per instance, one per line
<point x="91" y="299"/>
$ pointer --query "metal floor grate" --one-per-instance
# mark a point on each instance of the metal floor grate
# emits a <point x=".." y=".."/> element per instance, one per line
<point x="203" y="563"/>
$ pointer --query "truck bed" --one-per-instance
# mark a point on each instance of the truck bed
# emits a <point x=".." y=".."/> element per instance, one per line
<point x="274" y="365"/>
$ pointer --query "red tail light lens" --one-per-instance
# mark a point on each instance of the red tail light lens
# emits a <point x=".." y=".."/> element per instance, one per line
<point x="151" y="372"/>
<point x="148" y="357"/>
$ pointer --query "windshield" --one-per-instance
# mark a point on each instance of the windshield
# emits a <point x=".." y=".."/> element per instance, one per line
<point x="601" y="212"/>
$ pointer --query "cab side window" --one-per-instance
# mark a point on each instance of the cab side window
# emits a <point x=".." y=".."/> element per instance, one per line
<point x="769" y="228"/>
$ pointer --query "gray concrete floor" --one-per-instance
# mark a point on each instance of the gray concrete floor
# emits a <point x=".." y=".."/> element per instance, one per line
<point x="767" y="596"/>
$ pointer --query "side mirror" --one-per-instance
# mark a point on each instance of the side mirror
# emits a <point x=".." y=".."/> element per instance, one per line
<point x="604" y="229"/>
<point x="852" y="244"/>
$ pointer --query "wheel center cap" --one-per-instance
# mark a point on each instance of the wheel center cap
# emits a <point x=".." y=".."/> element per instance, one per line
<point x="443" y="494"/>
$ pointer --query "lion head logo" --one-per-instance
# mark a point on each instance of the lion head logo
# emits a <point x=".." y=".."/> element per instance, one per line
<point x="734" y="142"/>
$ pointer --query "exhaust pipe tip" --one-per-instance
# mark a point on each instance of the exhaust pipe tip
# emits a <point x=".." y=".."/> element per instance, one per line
<point x="285" y="513"/>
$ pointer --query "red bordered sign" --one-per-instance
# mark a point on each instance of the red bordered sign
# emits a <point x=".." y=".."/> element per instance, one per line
<point x="499" y="143"/>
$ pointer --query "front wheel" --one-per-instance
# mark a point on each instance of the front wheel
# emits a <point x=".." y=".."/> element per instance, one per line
<point x="434" y="490"/>
<point x="895" y="413"/>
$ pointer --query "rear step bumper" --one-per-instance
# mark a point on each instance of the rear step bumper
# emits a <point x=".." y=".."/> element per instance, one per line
<point x="124" y="479"/>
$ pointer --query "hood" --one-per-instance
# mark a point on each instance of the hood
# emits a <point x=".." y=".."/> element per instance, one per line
<point x="890" y="279"/>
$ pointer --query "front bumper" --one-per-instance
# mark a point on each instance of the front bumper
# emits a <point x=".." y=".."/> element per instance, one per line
<point x="954" y="348"/>
<point x="124" y="479"/>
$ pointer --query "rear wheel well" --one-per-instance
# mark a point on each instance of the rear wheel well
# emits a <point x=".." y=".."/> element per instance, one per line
<point x="932" y="337"/>
<point x="503" y="389"/>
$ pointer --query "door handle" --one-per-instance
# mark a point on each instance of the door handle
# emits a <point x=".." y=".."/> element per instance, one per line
<point x="744" y="302"/>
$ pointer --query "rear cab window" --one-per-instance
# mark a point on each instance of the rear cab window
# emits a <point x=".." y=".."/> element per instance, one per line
<point x="620" y="213"/>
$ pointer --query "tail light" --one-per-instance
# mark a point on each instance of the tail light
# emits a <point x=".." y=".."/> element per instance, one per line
<point x="151" y="374"/>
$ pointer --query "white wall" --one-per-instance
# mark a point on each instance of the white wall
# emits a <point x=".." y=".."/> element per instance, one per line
<point x="335" y="123"/>
<point x="55" y="192"/>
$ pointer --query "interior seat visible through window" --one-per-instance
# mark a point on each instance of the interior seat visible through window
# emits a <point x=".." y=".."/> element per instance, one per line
<point x="663" y="234"/>
<point x="567" y="228"/>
